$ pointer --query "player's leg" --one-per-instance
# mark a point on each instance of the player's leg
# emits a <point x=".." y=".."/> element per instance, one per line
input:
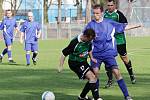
<point x="28" y="49"/>
<point x="34" y="49"/>
<point x="8" y="43"/>
<point x="121" y="83"/>
<point x="109" y="75"/>
<point x="28" y="58"/>
<point x="95" y="67"/>
<point x="111" y="62"/>
<point x="2" y="54"/>
<point x="83" y="71"/>
<point x="123" y="55"/>
<point x="93" y="85"/>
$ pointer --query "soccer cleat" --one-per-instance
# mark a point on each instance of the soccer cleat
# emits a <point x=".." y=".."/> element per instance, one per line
<point x="98" y="99"/>
<point x="12" y="62"/>
<point x="1" y="59"/>
<point x="128" y="98"/>
<point x="34" y="61"/>
<point x="133" y="80"/>
<point x="85" y="98"/>
<point x="108" y="84"/>
<point x="28" y="65"/>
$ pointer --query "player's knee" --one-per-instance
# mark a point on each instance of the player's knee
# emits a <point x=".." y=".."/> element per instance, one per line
<point x="91" y="77"/>
<point x="27" y="52"/>
<point x="35" y="52"/>
<point x="9" y="47"/>
<point x="125" y="59"/>
<point x="96" y="71"/>
<point x="116" y="73"/>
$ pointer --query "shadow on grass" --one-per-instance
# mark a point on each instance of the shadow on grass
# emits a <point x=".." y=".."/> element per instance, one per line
<point x="22" y="84"/>
<point x="15" y="64"/>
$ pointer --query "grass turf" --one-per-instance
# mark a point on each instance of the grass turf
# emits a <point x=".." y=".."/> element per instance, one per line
<point x="18" y="82"/>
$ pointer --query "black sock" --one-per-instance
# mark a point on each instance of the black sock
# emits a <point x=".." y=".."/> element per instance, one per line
<point x="129" y="68"/>
<point x="85" y="90"/>
<point x="34" y="55"/>
<point x="95" y="91"/>
<point x="109" y="73"/>
<point x="4" y="51"/>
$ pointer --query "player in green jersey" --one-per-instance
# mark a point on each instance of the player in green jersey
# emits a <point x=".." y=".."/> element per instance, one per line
<point x="116" y="15"/>
<point x="78" y="50"/>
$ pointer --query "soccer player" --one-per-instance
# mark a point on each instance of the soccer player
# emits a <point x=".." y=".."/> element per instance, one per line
<point x="31" y="31"/>
<point x="116" y="15"/>
<point x="104" y="49"/>
<point x="78" y="50"/>
<point x="8" y="24"/>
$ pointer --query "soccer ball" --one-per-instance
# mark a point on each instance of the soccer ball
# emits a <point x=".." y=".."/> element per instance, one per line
<point x="48" y="95"/>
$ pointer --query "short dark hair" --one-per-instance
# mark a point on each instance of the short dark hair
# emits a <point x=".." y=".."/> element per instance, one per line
<point x="97" y="6"/>
<point x="89" y="32"/>
<point x="8" y="10"/>
<point x="112" y="1"/>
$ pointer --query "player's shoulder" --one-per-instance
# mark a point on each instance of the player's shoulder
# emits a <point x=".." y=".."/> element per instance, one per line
<point x="5" y="18"/>
<point x="107" y="21"/>
<point x="106" y="11"/>
<point x="92" y="21"/>
<point x="75" y="39"/>
<point x="25" y="22"/>
<point x="13" y="18"/>
<point x="119" y="12"/>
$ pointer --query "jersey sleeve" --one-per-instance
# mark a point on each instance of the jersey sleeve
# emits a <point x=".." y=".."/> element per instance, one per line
<point x="90" y="47"/>
<point x="70" y="48"/>
<point x="119" y="27"/>
<point x="122" y="18"/>
<point x="2" y="24"/>
<point x="87" y="26"/>
<point x="15" y="23"/>
<point x="38" y="27"/>
<point x="22" y="29"/>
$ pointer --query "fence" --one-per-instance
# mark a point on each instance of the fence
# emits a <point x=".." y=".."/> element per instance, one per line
<point x="140" y="15"/>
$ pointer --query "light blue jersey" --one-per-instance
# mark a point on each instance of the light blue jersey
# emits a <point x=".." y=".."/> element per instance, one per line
<point x="8" y="25"/>
<point x="104" y="44"/>
<point x="30" y="30"/>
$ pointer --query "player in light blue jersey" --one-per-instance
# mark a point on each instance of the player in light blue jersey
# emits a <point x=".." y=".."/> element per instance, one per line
<point x="104" y="46"/>
<point x="30" y="33"/>
<point x="8" y="25"/>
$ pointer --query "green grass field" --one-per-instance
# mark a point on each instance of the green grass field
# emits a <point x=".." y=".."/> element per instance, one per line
<point x="18" y="82"/>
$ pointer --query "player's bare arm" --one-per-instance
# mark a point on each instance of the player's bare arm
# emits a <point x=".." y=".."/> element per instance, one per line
<point x="61" y="63"/>
<point x="91" y="57"/>
<point x="129" y="27"/>
<point x="39" y="34"/>
<point x="21" y="37"/>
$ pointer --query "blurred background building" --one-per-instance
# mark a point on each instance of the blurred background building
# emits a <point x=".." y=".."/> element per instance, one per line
<point x="66" y="18"/>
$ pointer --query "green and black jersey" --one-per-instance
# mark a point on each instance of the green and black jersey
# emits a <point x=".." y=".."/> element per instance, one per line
<point x="119" y="17"/>
<point x="77" y="50"/>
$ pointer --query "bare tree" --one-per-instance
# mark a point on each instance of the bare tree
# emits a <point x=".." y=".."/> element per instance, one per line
<point x="15" y="5"/>
<point x="59" y="19"/>
<point x="1" y="10"/>
<point x="88" y="11"/>
<point x="45" y="6"/>
<point x="79" y="9"/>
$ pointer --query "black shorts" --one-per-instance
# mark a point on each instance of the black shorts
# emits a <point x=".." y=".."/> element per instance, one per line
<point x="122" y="49"/>
<point x="80" y="68"/>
